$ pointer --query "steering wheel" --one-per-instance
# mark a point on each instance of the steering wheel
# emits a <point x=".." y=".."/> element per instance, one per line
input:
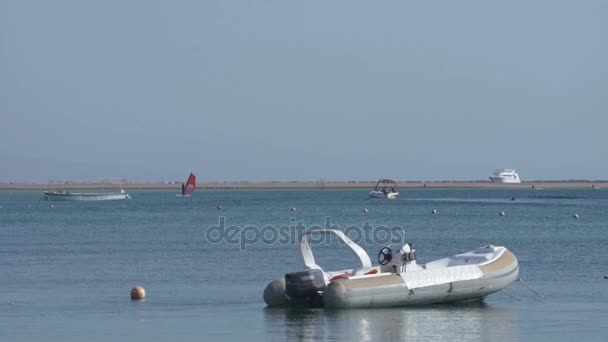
<point x="385" y="256"/>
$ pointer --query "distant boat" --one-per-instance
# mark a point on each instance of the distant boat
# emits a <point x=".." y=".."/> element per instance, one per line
<point x="385" y="188"/>
<point x="64" y="195"/>
<point x="61" y="191"/>
<point x="188" y="187"/>
<point x="505" y="176"/>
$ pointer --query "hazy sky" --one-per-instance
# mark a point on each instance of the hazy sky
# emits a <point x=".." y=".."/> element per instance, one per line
<point x="286" y="90"/>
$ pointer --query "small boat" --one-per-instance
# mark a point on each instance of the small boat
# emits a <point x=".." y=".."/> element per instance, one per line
<point x="385" y="188"/>
<point x="398" y="281"/>
<point x="188" y="187"/>
<point x="64" y="195"/>
<point x="505" y="176"/>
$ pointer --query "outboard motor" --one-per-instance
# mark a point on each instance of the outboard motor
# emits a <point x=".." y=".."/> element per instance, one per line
<point x="304" y="284"/>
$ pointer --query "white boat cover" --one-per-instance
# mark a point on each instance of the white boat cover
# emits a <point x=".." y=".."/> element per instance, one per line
<point x="423" y="278"/>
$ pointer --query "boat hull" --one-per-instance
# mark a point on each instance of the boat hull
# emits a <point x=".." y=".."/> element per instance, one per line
<point x="380" y="194"/>
<point x="67" y="196"/>
<point x="505" y="180"/>
<point x="392" y="289"/>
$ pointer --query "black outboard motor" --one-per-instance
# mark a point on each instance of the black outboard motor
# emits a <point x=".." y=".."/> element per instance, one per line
<point x="304" y="284"/>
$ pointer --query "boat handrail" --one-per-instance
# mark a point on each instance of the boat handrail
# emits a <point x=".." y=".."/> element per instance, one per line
<point x="309" y="258"/>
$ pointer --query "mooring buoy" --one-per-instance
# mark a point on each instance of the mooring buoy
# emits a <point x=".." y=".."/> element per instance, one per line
<point x="138" y="293"/>
<point x="365" y="210"/>
<point x="434" y="212"/>
<point x="502" y="213"/>
<point x="576" y="216"/>
<point x="294" y="209"/>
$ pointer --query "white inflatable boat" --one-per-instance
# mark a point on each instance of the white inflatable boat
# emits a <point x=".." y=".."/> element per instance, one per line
<point x="397" y="281"/>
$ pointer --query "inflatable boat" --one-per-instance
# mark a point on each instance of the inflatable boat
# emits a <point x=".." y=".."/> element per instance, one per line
<point x="398" y="280"/>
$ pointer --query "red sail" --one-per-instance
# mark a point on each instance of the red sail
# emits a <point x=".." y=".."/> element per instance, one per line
<point x="190" y="185"/>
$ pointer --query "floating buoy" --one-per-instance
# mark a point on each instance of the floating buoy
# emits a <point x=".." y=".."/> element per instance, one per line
<point x="138" y="293"/>
<point x="220" y="207"/>
<point x="294" y="209"/>
<point x="576" y="216"/>
<point x="51" y="206"/>
<point x="434" y="212"/>
<point x="606" y="276"/>
<point x="365" y="210"/>
<point x="123" y="206"/>
<point x="502" y="213"/>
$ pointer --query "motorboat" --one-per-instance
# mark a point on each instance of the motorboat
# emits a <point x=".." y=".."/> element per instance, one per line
<point x="61" y="191"/>
<point x="64" y="195"/>
<point x="385" y="188"/>
<point x="188" y="187"/>
<point x="398" y="280"/>
<point x="505" y="176"/>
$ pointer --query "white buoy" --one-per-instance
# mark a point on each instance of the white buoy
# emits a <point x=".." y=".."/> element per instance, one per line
<point x="138" y="293"/>
<point x="51" y="206"/>
<point x="365" y="210"/>
<point x="219" y="207"/>
<point x="576" y="216"/>
<point x="123" y="206"/>
<point x="434" y="212"/>
<point x="294" y="209"/>
<point x="502" y="213"/>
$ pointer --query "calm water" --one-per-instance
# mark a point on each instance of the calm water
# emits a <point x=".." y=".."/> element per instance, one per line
<point x="66" y="272"/>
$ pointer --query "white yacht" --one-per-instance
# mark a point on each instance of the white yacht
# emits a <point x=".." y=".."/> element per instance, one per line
<point x="505" y="176"/>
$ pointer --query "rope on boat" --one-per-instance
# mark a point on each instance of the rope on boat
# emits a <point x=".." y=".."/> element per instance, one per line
<point x="515" y="297"/>
<point x="531" y="289"/>
<point x="524" y="299"/>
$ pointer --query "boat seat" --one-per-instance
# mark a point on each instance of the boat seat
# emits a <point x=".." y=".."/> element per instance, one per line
<point x="340" y="276"/>
<point x="348" y="274"/>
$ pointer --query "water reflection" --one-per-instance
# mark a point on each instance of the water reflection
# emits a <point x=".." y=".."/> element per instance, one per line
<point x="479" y="322"/>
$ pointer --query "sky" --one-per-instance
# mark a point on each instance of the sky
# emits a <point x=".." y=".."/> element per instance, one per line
<point x="302" y="90"/>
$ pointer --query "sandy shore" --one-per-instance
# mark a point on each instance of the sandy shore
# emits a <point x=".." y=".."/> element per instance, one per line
<point x="317" y="185"/>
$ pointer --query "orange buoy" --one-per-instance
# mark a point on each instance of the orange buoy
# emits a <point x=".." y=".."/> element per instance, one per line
<point x="138" y="293"/>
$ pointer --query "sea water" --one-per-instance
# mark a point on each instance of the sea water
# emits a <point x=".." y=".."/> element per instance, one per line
<point x="66" y="271"/>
